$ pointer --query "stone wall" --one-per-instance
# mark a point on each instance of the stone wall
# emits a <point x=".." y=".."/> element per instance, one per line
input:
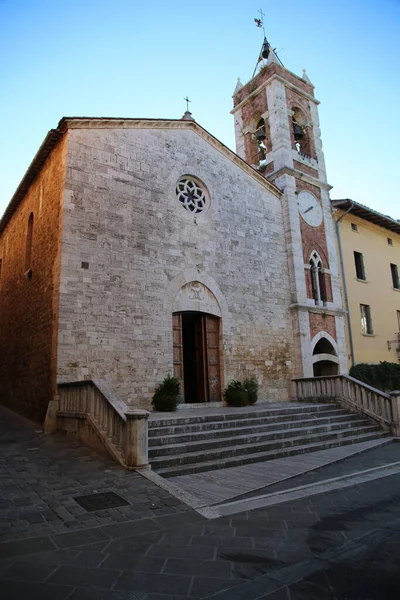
<point x="29" y="293"/>
<point x="129" y="247"/>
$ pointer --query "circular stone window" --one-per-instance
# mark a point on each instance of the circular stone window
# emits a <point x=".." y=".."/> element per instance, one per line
<point x="191" y="194"/>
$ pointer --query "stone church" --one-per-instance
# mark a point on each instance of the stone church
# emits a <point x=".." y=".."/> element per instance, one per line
<point x="137" y="248"/>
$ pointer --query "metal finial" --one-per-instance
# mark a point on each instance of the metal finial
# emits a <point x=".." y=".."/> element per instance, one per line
<point x="187" y="103"/>
<point x="260" y="22"/>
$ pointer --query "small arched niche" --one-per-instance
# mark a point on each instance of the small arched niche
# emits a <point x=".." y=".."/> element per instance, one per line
<point x="323" y="346"/>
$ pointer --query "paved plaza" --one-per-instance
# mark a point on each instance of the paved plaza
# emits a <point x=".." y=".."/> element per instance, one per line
<point x="341" y="544"/>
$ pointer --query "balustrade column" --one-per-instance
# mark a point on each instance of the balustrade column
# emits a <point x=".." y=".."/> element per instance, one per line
<point x="136" y="438"/>
<point x="395" y="402"/>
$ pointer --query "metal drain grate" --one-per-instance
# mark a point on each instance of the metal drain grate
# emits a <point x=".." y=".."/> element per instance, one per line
<point x="101" y="501"/>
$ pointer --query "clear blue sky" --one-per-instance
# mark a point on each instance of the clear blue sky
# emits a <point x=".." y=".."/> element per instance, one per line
<point x="131" y="58"/>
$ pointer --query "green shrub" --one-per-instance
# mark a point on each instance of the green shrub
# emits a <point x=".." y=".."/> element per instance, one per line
<point x="166" y="395"/>
<point x="250" y="384"/>
<point x="235" y="394"/>
<point x="384" y="376"/>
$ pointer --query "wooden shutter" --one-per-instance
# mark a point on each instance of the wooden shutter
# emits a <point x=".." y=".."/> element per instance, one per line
<point x="212" y="358"/>
<point x="178" y="348"/>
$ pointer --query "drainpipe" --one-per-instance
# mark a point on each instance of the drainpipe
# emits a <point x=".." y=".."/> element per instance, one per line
<point x="346" y="297"/>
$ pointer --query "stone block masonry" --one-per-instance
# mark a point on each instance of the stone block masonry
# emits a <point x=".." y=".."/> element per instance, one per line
<point x="127" y="241"/>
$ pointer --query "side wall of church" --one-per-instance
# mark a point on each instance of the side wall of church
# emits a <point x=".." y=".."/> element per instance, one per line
<point x="29" y="292"/>
<point x="127" y="241"/>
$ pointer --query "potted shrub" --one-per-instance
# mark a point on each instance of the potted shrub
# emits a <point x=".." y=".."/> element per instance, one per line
<point x="250" y="384"/>
<point x="235" y="394"/>
<point x="166" y="395"/>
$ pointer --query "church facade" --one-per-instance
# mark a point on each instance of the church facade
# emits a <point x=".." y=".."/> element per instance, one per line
<point x="137" y="248"/>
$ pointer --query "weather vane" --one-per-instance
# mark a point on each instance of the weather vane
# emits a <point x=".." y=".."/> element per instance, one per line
<point x="260" y="22"/>
<point x="265" y="48"/>
<point x="187" y="103"/>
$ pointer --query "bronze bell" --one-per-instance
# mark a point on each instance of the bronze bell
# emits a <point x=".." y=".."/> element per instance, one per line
<point x="298" y="132"/>
<point x="260" y="135"/>
<point x="265" y="49"/>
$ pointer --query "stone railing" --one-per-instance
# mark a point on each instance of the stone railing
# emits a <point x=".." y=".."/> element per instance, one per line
<point x="354" y="395"/>
<point x="93" y="412"/>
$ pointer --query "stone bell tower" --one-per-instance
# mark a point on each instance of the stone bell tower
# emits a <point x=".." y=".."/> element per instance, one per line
<point x="277" y="132"/>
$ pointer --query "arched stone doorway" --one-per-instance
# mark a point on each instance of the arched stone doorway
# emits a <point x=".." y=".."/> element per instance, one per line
<point x="197" y="356"/>
<point x="196" y="333"/>
<point x="325" y="360"/>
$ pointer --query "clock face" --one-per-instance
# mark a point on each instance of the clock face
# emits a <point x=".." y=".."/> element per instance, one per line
<point x="310" y="209"/>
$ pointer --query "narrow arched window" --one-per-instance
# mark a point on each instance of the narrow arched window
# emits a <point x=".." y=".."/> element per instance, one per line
<point x="317" y="279"/>
<point x="261" y="140"/>
<point x="28" y="246"/>
<point x="322" y="284"/>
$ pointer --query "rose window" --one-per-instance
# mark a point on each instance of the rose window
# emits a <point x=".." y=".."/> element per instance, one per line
<point x="191" y="195"/>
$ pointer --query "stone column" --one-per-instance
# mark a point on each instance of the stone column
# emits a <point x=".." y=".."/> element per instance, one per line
<point x="136" y="439"/>
<point x="395" y="401"/>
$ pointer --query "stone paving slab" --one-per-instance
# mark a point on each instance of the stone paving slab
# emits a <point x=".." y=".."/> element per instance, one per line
<point x="172" y="552"/>
<point x="214" y="487"/>
<point x="375" y="456"/>
<point x="250" y="555"/>
<point x="40" y="476"/>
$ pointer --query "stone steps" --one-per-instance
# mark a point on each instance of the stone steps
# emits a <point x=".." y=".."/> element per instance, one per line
<point x="260" y="438"/>
<point x="191" y="443"/>
<point x="172" y="435"/>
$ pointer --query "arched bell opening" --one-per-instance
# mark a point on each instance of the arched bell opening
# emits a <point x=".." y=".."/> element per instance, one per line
<point x="301" y="133"/>
<point x="261" y="138"/>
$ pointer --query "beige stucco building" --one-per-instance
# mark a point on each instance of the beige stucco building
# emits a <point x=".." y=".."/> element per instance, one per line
<point x="370" y="248"/>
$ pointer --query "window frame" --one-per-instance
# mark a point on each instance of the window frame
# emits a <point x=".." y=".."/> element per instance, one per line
<point x="366" y="320"/>
<point x="359" y="266"/>
<point x="395" y="276"/>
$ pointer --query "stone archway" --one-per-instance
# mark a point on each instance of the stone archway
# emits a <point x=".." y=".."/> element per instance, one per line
<point x="324" y="358"/>
<point x="196" y="322"/>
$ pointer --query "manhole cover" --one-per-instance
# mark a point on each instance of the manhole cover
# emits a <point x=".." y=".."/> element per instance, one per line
<point x="101" y="501"/>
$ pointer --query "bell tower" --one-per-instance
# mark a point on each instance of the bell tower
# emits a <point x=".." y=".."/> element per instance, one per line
<point x="277" y="132"/>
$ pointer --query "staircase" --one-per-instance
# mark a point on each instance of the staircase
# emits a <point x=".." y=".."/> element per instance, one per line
<point x="204" y="440"/>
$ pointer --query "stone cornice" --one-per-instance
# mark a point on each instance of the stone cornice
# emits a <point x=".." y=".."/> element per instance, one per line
<point x="299" y="175"/>
<point x="321" y="310"/>
<point x="266" y="83"/>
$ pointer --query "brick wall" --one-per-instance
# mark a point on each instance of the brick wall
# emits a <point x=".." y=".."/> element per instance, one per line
<point x="267" y="73"/>
<point x="322" y="322"/>
<point x="28" y="305"/>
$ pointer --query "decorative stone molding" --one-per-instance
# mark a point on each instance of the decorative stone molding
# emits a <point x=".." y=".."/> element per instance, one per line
<point x="195" y="296"/>
<point x="327" y="336"/>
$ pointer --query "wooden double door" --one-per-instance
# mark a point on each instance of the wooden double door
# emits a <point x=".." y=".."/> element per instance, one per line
<point x="197" y="356"/>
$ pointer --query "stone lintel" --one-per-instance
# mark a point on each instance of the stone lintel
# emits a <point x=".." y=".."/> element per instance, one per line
<point x="318" y="309"/>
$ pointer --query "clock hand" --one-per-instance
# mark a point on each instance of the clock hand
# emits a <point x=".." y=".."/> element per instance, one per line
<point x="308" y="210"/>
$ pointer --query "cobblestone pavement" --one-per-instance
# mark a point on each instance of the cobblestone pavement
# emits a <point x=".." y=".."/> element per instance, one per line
<point x="342" y="545"/>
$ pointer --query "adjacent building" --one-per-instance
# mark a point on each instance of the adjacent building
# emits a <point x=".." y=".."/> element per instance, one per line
<point x="369" y="245"/>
